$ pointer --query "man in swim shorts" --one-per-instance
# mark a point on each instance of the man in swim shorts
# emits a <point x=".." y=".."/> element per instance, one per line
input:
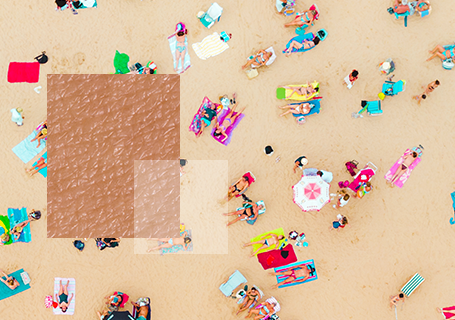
<point x="141" y="308"/>
<point x="407" y="162"/>
<point x="271" y="240"/>
<point x="208" y="114"/>
<point x="184" y="240"/>
<point x="300" y="162"/>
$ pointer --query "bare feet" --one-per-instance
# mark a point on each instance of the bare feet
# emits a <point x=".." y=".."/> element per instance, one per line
<point x="439" y="310"/>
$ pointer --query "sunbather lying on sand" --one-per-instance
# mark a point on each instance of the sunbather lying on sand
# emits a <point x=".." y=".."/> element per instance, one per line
<point x="441" y="53"/>
<point x="18" y="228"/>
<point x="4" y="238"/>
<point x="292" y="275"/>
<point x="62" y="297"/>
<point x="10" y="282"/>
<point x="271" y="239"/>
<point x="302" y="108"/>
<point x="267" y="309"/>
<point x="40" y="164"/>
<point x="238" y="188"/>
<point x="184" y="240"/>
<point x="220" y="129"/>
<point x="259" y="60"/>
<point x="409" y="158"/>
<point x="305" y="91"/>
<point x="249" y="213"/>
<point x="307" y="17"/>
<point x="180" y="48"/>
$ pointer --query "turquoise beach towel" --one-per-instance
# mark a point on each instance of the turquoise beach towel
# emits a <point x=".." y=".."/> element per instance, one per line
<point x="27" y="150"/>
<point x="186" y="62"/>
<point x="6" y="292"/>
<point x="43" y="171"/>
<point x="175" y="249"/>
<point x="301" y="264"/>
<point x="16" y="216"/>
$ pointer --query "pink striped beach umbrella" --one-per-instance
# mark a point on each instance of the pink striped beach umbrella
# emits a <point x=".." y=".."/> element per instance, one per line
<point x="311" y="193"/>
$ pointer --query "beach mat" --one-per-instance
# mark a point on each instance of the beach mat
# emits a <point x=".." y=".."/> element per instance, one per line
<point x="5" y="228"/>
<point x="43" y="171"/>
<point x="404" y="177"/>
<point x="210" y="46"/>
<point x="278" y="232"/>
<point x="6" y="292"/>
<point x="23" y="72"/>
<point x="16" y="216"/>
<point x="71" y="289"/>
<point x="195" y="125"/>
<point x="186" y="61"/>
<point x="281" y="278"/>
<point x="27" y="150"/>
<point x="177" y="248"/>
<point x="230" y="129"/>
<point x="277" y="258"/>
<point x="316" y="109"/>
<point x="235" y="280"/>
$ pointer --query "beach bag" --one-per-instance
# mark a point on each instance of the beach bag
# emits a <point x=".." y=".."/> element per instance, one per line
<point x="448" y="64"/>
<point x="79" y="245"/>
<point x="42" y="58"/>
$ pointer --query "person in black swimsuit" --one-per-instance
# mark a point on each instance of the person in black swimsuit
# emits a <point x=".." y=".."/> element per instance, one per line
<point x="300" y="162"/>
<point x="251" y="212"/>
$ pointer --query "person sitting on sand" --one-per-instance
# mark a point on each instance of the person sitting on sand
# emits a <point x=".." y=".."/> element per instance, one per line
<point x="250" y="213"/>
<point x="305" y="91"/>
<point x="395" y="299"/>
<point x="104" y="243"/>
<point x="340" y="223"/>
<point x="18" y="228"/>
<point x="292" y="275"/>
<point x="260" y="59"/>
<point x="42" y="134"/>
<point x="301" y="108"/>
<point x="208" y="114"/>
<point x="40" y="164"/>
<point x="184" y="240"/>
<point x="62" y="298"/>
<point x="114" y="301"/>
<point x="220" y="129"/>
<point x="4" y="238"/>
<point x="180" y="48"/>
<point x="441" y="53"/>
<point x="9" y="281"/>
<point x="142" y="310"/>
<point x="270" y="239"/>
<point x="238" y="187"/>
<point x="447" y="315"/>
<point x="409" y="159"/>
<point x="267" y="309"/>
<point x="305" y="44"/>
<point x="307" y="17"/>
<point x="251" y="296"/>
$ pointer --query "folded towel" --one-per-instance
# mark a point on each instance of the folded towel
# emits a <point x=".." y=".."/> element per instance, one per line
<point x="210" y="46"/>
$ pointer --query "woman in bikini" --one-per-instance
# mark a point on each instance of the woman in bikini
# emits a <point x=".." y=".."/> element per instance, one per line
<point x="42" y="134"/>
<point x="251" y="296"/>
<point x="305" y="91"/>
<point x="260" y="59"/>
<point x="408" y="160"/>
<point x="249" y="213"/>
<point x="306" y="44"/>
<point x="447" y="315"/>
<point x="271" y="240"/>
<point x="441" y="53"/>
<point x="62" y="297"/>
<point x="301" y="108"/>
<point x="220" y="129"/>
<point x="10" y="282"/>
<point x="180" y="48"/>
<point x="307" y="17"/>
<point x="267" y="309"/>
<point x="184" y="240"/>
<point x="18" y="228"/>
<point x="238" y="187"/>
<point x="292" y="275"/>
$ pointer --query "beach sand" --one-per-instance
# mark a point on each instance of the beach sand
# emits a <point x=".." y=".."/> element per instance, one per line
<point x="394" y="233"/>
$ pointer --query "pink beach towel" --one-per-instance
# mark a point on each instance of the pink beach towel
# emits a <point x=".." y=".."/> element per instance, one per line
<point x="23" y="72"/>
<point x="230" y="129"/>
<point x="404" y="177"/>
<point x="195" y="125"/>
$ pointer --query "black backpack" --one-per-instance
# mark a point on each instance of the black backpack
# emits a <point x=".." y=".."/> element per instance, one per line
<point x="42" y="58"/>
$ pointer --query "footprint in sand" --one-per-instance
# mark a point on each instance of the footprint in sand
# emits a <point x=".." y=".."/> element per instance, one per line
<point x="79" y="58"/>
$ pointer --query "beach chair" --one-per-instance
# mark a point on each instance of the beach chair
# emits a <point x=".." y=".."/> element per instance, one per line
<point x="212" y="15"/>
<point x="391" y="88"/>
<point x="233" y="283"/>
<point x="372" y="108"/>
<point x="412" y="284"/>
<point x="363" y="176"/>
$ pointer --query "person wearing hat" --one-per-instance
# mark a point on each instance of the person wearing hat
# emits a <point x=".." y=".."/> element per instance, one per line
<point x="300" y="162"/>
<point x="4" y="238"/>
<point x="141" y="308"/>
<point x="41" y="134"/>
<point x="16" y="116"/>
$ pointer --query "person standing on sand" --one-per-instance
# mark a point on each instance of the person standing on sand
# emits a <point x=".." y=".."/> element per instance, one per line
<point x="430" y="87"/>
<point x="300" y="162"/>
<point x="270" y="240"/>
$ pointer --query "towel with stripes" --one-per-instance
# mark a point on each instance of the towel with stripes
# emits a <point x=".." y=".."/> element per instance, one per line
<point x="71" y="292"/>
<point x="210" y="46"/>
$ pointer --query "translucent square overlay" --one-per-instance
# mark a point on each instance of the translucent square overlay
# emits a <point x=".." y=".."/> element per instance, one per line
<point x="202" y="190"/>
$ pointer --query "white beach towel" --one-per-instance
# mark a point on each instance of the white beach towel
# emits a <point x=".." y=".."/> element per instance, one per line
<point x="210" y="46"/>
<point x="71" y="290"/>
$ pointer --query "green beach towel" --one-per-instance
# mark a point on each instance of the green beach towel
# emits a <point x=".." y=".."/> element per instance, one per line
<point x="121" y="63"/>
<point x="5" y="228"/>
<point x="278" y="232"/>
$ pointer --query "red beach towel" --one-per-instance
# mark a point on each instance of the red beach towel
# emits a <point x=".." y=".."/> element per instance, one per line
<point x="274" y="258"/>
<point x="23" y="72"/>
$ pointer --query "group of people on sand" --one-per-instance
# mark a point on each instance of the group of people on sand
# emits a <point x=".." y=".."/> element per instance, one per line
<point x="118" y="300"/>
<point x="17" y="230"/>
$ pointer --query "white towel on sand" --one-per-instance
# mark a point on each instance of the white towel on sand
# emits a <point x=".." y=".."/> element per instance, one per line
<point x="210" y="46"/>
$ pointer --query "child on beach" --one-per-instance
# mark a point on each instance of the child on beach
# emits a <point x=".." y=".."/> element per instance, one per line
<point x="351" y="78"/>
<point x="342" y="200"/>
<point x="395" y="299"/>
<point x="340" y="223"/>
<point x="430" y="87"/>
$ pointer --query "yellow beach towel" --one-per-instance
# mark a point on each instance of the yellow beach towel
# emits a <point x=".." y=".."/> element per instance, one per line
<point x="210" y="46"/>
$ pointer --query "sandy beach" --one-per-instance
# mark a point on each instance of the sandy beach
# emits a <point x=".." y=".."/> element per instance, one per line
<point x="393" y="232"/>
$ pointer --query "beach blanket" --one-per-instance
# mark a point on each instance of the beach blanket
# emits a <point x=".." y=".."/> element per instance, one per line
<point x="5" y="228"/>
<point x="121" y="63"/>
<point x="235" y="280"/>
<point x="23" y="72"/>
<point x="210" y="46"/>
<point x="177" y="248"/>
<point x="278" y="232"/>
<point x="230" y="129"/>
<point x="195" y="125"/>
<point x="316" y="109"/>
<point x="27" y="150"/>
<point x="186" y="62"/>
<point x="43" y="171"/>
<point x="281" y="278"/>
<point x="404" y="177"/>
<point x="71" y="290"/>
<point x="17" y="216"/>
<point x="277" y="258"/>
<point x="19" y="275"/>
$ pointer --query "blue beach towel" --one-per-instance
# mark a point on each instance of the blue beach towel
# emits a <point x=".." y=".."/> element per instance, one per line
<point x="16" y="216"/>
<point x="6" y="292"/>
<point x="27" y="150"/>
<point x="234" y="281"/>
<point x="177" y="248"/>
<point x="321" y="34"/>
<point x="316" y="109"/>
<point x="43" y="171"/>
<point x="281" y="279"/>
<point x="186" y="62"/>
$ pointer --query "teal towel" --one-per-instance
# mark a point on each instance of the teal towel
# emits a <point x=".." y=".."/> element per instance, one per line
<point x="43" y="171"/>
<point x="27" y="150"/>
<point x="6" y="292"/>
<point x="16" y="216"/>
<point x="186" y="61"/>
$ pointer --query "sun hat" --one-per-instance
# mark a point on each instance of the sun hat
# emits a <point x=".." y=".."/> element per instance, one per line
<point x="304" y="161"/>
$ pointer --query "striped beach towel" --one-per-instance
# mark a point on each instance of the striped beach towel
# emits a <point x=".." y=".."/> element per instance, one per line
<point x="71" y="290"/>
<point x="412" y="284"/>
<point x="210" y="46"/>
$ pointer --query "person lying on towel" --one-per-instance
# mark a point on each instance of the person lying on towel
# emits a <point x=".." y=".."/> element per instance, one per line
<point x="141" y="309"/>
<point x="41" y="135"/>
<point x="208" y="114"/>
<point x="238" y="188"/>
<point x="40" y="164"/>
<point x="409" y="159"/>
<point x="62" y="297"/>
<point x="18" y="228"/>
<point x="306" y="44"/>
<point x="307" y="91"/>
<point x="271" y="240"/>
<point x="184" y="240"/>
<point x="249" y="213"/>
<point x="302" y="108"/>
<point x="267" y="309"/>
<point x="260" y="59"/>
<point x="292" y="275"/>
<point x="220" y="129"/>
<point x="10" y="282"/>
<point x="307" y="17"/>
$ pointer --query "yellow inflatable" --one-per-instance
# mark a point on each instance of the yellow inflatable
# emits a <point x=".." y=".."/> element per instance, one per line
<point x="283" y="93"/>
